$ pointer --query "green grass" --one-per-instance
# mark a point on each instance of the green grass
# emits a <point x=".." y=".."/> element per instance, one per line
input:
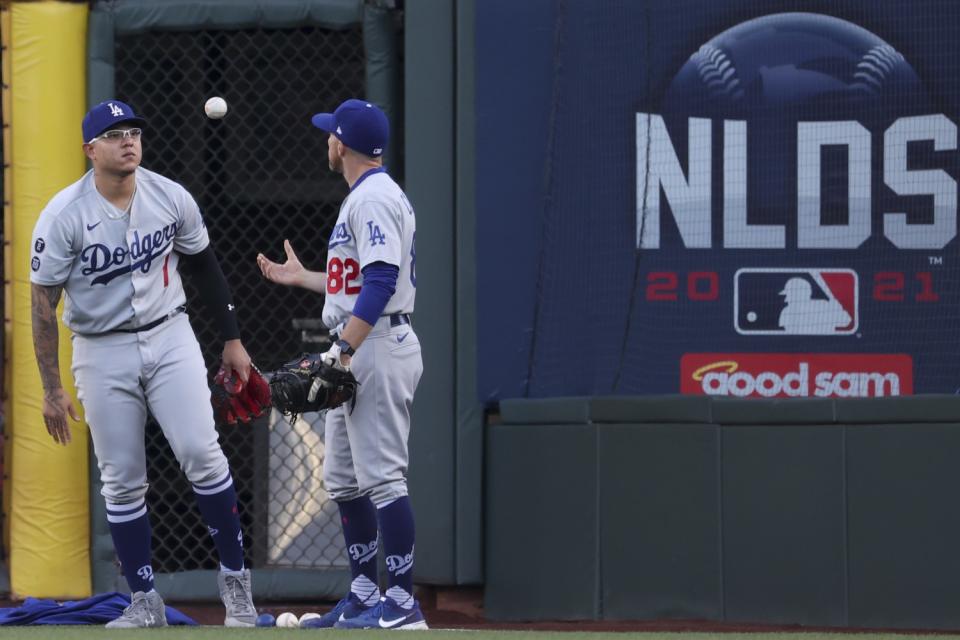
<point x="217" y="633"/>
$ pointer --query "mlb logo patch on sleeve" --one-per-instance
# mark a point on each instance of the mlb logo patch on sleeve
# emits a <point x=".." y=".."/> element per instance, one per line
<point x="805" y="302"/>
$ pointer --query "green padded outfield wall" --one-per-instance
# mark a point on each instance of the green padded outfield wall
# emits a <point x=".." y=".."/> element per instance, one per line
<point x="469" y="452"/>
<point x="429" y="105"/>
<point x="447" y="438"/>
<point x="815" y="512"/>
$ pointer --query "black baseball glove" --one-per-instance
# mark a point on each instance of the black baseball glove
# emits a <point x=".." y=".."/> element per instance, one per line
<point x="307" y="383"/>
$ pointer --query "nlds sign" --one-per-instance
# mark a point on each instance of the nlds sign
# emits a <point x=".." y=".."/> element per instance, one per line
<point x="790" y="111"/>
<point x="689" y="196"/>
<point x="805" y="160"/>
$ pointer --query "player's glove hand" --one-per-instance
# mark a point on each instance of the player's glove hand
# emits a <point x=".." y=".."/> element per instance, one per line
<point x="308" y="383"/>
<point x="233" y="401"/>
<point x="334" y="358"/>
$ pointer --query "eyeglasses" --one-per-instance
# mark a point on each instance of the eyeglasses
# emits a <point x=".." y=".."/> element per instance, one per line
<point x="116" y="135"/>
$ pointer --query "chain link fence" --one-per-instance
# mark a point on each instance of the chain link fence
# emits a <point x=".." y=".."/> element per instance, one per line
<point x="260" y="175"/>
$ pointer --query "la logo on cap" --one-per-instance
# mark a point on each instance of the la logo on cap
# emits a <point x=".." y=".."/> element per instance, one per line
<point x="115" y="111"/>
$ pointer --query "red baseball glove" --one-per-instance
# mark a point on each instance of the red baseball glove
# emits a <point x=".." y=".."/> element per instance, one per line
<point x="233" y="401"/>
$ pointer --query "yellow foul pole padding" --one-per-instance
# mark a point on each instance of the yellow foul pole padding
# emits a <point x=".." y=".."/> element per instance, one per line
<point x="49" y="483"/>
<point x="7" y="264"/>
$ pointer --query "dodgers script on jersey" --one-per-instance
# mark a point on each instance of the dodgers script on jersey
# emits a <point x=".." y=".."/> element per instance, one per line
<point x="376" y="224"/>
<point x="118" y="270"/>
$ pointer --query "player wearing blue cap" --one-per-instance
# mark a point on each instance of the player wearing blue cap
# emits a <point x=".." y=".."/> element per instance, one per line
<point x="370" y="284"/>
<point x="113" y="242"/>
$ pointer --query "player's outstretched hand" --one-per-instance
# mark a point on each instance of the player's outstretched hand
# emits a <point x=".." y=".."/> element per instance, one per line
<point x="290" y="273"/>
<point x="57" y="405"/>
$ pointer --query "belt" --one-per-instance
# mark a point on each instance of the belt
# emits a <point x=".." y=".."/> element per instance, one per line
<point x="154" y="324"/>
<point x="396" y="319"/>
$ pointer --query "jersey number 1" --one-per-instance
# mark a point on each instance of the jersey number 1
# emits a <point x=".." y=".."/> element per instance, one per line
<point x="340" y="274"/>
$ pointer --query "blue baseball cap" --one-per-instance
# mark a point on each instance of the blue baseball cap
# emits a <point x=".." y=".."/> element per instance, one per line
<point x="359" y="124"/>
<point x="107" y="114"/>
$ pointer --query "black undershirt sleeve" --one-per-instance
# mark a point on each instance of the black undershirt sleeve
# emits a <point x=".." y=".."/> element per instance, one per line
<point x="204" y="271"/>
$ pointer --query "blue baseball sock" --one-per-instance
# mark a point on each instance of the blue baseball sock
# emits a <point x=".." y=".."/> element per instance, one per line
<point x="396" y="524"/>
<point x="130" y="529"/>
<point x="359" y="520"/>
<point x="218" y="506"/>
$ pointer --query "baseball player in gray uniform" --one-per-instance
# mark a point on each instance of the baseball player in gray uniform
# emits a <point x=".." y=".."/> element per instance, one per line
<point x="370" y="284"/>
<point x="114" y="242"/>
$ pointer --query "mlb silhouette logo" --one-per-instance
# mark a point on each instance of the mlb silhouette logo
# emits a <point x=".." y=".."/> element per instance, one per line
<point x="803" y="302"/>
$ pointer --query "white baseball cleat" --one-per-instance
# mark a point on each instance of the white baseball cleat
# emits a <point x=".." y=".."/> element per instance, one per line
<point x="237" y="596"/>
<point x="145" y="610"/>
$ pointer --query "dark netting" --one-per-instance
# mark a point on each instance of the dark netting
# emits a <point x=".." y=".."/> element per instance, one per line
<point x="747" y="199"/>
<point x="260" y="176"/>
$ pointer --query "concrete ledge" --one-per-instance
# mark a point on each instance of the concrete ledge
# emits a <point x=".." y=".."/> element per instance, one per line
<point x="902" y="409"/>
<point x="775" y="411"/>
<point x="573" y="410"/>
<point x="652" y="409"/>
<point x="679" y="409"/>
<point x="618" y="409"/>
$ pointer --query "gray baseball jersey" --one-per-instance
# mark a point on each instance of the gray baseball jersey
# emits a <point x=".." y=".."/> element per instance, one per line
<point x="366" y="446"/>
<point x="118" y="269"/>
<point x="376" y="224"/>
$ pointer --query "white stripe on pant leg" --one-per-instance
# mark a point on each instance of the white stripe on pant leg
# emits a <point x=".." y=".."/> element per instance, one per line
<point x="118" y="513"/>
<point x="215" y="487"/>
<point x="128" y="518"/>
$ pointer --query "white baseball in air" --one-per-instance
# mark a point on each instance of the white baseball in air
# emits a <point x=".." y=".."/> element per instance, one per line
<point x="308" y="616"/>
<point x="215" y="107"/>
<point x="287" y="619"/>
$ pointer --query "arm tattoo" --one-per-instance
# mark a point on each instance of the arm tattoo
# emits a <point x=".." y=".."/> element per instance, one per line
<point x="45" y="334"/>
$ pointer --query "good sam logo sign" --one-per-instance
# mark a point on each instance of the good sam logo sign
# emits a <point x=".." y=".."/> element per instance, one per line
<point x="796" y="375"/>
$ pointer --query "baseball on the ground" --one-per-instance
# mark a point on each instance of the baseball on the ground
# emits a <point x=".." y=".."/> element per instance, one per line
<point x="287" y="619"/>
<point x="266" y="620"/>
<point x="307" y="616"/>
<point x="215" y="107"/>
